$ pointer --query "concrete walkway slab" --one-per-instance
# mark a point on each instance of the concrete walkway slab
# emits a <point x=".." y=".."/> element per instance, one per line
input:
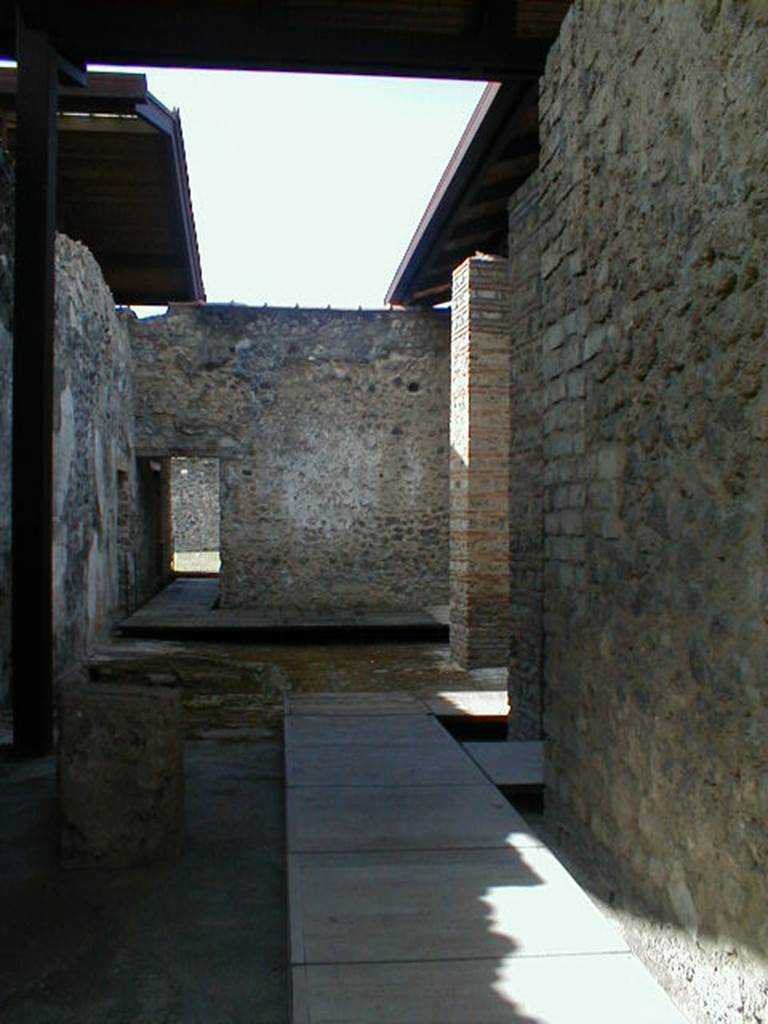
<point x="512" y="763"/>
<point x="484" y="703"/>
<point x="490" y="703"/>
<point x="440" y="612"/>
<point x="428" y="763"/>
<point x="393" y="730"/>
<point x="394" y="702"/>
<point x="182" y="597"/>
<point x="608" y="988"/>
<point x="349" y="818"/>
<point x="437" y="903"/>
<point x="440" y="905"/>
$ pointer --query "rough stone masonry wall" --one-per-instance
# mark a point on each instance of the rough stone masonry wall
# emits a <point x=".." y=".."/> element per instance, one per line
<point x="332" y="431"/>
<point x="93" y="440"/>
<point x="654" y="207"/>
<point x="195" y="504"/>
<point x="526" y="467"/>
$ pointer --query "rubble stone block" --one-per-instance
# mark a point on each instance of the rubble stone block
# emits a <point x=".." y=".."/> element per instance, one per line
<point x="121" y="774"/>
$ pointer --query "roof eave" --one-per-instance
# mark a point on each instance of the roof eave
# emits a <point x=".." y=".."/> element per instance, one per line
<point x="495" y="106"/>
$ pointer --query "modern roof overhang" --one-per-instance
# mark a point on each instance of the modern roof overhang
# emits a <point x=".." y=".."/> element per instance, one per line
<point x="123" y="186"/>
<point x="468" y="210"/>
<point x="474" y="39"/>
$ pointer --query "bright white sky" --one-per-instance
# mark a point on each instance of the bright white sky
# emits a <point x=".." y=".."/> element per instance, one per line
<point x="307" y="188"/>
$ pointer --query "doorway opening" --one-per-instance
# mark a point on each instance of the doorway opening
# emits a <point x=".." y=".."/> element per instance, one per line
<point x="195" y="516"/>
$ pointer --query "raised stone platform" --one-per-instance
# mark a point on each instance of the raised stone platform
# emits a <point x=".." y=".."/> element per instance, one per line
<point x="188" y="609"/>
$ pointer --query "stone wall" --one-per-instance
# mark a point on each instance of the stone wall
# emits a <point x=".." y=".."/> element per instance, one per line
<point x="526" y="468"/>
<point x="332" y="430"/>
<point x="195" y="504"/>
<point x="93" y="442"/>
<point x="654" y="214"/>
<point x="97" y="505"/>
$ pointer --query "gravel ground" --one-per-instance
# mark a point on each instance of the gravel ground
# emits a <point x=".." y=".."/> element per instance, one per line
<point x="711" y="983"/>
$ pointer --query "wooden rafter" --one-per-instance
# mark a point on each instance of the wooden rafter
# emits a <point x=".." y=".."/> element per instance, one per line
<point x="450" y="230"/>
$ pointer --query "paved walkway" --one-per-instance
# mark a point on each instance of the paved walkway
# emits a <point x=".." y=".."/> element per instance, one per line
<point x="418" y="894"/>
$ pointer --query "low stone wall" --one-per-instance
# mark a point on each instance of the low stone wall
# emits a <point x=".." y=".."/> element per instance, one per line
<point x="654" y="292"/>
<point x="332" y="430"/>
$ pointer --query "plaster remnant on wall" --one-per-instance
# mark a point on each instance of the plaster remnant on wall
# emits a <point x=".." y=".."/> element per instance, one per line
<point x="64" y="449"/>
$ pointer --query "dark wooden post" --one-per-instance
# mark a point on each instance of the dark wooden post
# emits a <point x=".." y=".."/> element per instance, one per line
<point x="32" y="474"/>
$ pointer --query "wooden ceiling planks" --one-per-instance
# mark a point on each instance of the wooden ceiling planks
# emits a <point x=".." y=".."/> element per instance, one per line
<point x="540" y="17"/>
<point x="448" y="18"/>
<point x="481" y="39"/>
<point x="122" y="191"/>
<point x="467" y="213"/>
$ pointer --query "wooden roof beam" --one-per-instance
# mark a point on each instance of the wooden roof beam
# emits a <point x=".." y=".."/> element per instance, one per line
<point x="103" y="94"/>
<point x="498" y="191"/>
<point x="273" y="38"/>
<point x="432" y="296"/>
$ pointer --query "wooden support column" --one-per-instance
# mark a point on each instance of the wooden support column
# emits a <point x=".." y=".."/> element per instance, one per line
<point x="32" y="472"/>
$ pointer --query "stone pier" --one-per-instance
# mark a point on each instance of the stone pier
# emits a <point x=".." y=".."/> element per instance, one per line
<point x="479" y="528"/>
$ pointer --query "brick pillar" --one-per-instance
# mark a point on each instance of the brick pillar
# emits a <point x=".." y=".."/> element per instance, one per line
<point x="480" y="367"/>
